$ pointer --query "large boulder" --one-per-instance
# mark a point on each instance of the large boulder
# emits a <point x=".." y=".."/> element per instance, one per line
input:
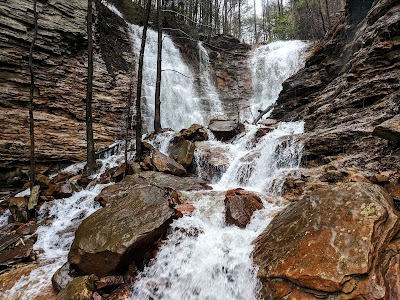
<point x="225" y="130"/>
<point x="164" y="163"/>
<point x="123" y="231"/>
<point x="240" y="206"/>
<point x="389" y="130"/>
<point x="182" y="152"/>
<point x="328" y="242"/>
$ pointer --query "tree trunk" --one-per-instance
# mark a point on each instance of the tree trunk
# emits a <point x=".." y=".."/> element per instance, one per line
<point x="255" y="23"/>
<point x="91" y="156"/>
<point x="32" y="89"/>
<point x="139" y="86"/>
<point x="128" y="118"/>
<point x="240" y="21"/>
<point x="157" y="116"/>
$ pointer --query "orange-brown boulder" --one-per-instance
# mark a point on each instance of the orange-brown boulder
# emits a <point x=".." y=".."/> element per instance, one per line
<point x="327" y="240"/>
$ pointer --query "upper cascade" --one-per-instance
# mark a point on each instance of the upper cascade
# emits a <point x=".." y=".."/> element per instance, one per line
<point x="270" y="66"/>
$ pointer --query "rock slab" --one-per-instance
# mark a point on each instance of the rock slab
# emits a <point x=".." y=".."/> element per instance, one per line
<point x="125" y="230"/>
<point x="327" y="240"/>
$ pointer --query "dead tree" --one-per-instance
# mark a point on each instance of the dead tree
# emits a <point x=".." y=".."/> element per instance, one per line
<point x="32" y="89"/>
<point x="157" y="113"/>
<point x="262" y="113"/>
<point x="139" y="86"/>
<point x="91" y="156"/>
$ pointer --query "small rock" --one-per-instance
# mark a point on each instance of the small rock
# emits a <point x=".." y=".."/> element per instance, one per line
<point x="50" y="190"/>
<point x="379" y="178"/>
<point x="389" y="130"/>
<point x="84" y="181"/>
<point x="22" y="250"/>
<point x="123" y="292"/>
<point x="64" y="176"/>
<point x="43" y="181"/>
<point x="225" y="130"/>
<point x="65" y="189"/>
<point x="80" y="288"/>
<point x="63" y="276"/>
<point x="269" y="122"/>
<point x="19" y="209"/>
<point x="240" y="206"/>
<point x="183" y="152"/>
<point x="109" y="281"/>
<point x="183" y="209"/>
<point x="165" y="164"/>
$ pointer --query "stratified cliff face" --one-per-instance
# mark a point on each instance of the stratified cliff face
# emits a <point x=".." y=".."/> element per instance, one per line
<point x="60" y="66"/>
<point x="348" y="87"/>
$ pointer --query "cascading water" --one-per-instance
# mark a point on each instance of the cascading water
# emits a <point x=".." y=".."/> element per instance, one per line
<point x="270" y="66"/>
<point x="180" y="105"/>
<point x="208" y="92"/>
<point x="203" y="257"/>
<point x="57" y="221"/>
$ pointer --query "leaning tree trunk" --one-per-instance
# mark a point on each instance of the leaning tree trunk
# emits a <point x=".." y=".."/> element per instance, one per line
<point x="157" y="116"/>
<point x="91" y="156"/>
<point x="32" y="89"/>
<point x="139" y="86"/>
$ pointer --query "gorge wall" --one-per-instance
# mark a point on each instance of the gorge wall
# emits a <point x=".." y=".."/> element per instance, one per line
<point x="60" y="66"/>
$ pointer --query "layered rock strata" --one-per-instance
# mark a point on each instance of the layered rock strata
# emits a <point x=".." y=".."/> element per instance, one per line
<point x="60" y="67"/>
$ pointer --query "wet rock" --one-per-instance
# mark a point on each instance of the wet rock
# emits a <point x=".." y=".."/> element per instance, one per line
<point x="34" y="197"/>
<point x="269" y="122"/>
<point x="84" y="181"/>
<point x="80" y="288"/>
<point x="50" y="190"/>
<point x="43" y="181"/>
<point x="389" y="130"/>
<point x="65" y="189"/>
<point x="28" y="228"/>
<point x="240" y="206"/>
<point x="123" y="292"/>
<point x="18" y="207"/>
<point x="9" y="279"/>
<point x="121" y="170"/>
<point x="165" y="164"/>
<point x="328" y="239"/>
<point x="64" y="275"/>
<point x="109" y="239"/>
<point x="225" y="130"/>
<point x="212" y="161"/>
<point x="182" y="153"/>
<point x="21" y="250"/>
<point x="194" y="133"/>
<point x="109" y="281"/>
<point x="183" y="209"/>
<point x="63" y="176"/>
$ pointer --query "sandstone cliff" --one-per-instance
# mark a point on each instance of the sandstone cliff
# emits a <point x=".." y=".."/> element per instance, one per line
<point x="60" y="61"/>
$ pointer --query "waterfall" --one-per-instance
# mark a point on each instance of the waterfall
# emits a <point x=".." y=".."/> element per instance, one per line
<point x="270" y="66"/>
<point x="180" y="105"/>
<point x="203" y="257"/>
<point x="209" y="95"/>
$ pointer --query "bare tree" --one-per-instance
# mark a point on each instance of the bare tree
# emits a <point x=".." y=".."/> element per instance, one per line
<point x="128" y="118"/>
<point x="157" y="117"/>
<point x="91" y="156"/>
<point x="32" y="89"/>
<point x="139" y="86"/>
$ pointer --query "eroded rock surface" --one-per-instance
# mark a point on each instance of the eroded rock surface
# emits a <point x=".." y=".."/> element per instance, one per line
<point x="328" y="242"/>
<point x="60" y="59"/>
